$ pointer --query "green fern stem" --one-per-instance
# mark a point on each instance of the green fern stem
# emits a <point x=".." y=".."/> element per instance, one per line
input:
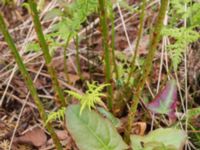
<point x="46" y="53"/>
<point x="78" y="58"/>
<point x="65" y="59"/>
<point x="28" y="81"/>
<point x="103" y="21"/>
<point x="147" y="65"/>
<point x="140" y="32"/>
<point x="112" y="16"/>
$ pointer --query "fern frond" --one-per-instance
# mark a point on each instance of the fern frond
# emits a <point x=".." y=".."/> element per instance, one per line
<point x="74" y="94"/>
<point x="79" y="10"/>
<point x="178" y="12"/>
<point x="183" y="37"/>
<point x="193" y="14"/>
<point x="71" y="19"/>
<point x="91" y="97"/>
<point x="58" y="115"/>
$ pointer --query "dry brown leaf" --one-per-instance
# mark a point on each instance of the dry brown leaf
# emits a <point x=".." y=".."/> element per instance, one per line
<point x="139" y="128"/>
<point x="64" y="138"/>
<point x="20" y="87"/>
<point x="35" y="137"/>
<point x="62" y="134"/>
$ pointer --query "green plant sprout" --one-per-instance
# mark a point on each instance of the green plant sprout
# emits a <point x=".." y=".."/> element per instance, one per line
<point x="57" y="115"/>
<point x="91" y="97"/>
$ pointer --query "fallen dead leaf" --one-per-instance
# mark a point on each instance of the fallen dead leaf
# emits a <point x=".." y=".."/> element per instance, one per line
<point x="64" y="138"/>
<point x="62" y="134"/>
<point x="35" y="137"/>
<point x="139" y="128"/>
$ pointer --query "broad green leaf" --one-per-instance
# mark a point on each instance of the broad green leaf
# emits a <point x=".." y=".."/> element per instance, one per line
<point x="91" y="131"/>
<point x="115" y="121"/>
<point x="169" y="138"/>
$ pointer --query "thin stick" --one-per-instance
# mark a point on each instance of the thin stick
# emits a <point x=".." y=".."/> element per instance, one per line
<point x="76" y="40"/>
<point x="113" y="45"/>
<point x="8" y="83"/>
<point x="186" y="79"/>
<point x="124" y="26"/>
<point x="22" y="109"/>
<point x="65" y="59"/>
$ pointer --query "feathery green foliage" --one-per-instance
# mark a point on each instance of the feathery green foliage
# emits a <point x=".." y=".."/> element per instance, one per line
<point x="71" y="16"/>
<point x="178" y="12"/>
<point x="183" y="37"/>
<point x="58" y="115"/>
<point x="91" y="97"/>
<point x="193" y="14"/>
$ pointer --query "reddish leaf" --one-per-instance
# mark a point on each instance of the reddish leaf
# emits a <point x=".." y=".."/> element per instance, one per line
<point x="165" y="101"/>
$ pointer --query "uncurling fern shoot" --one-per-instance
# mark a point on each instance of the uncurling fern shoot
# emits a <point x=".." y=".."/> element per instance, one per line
<point x="91" y="97"/>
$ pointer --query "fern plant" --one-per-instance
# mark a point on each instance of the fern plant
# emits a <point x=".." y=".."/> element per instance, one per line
<point x="71" y="17"/>
<point x="178" y="11"/>
<point x="91" y="97"/>
<point x="183" y="37"/>
<point x="57" y="115"/>
<point x="193" y="14"/>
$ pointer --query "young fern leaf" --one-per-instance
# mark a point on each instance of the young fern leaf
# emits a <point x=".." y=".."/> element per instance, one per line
<point x="71" y="18"/>
<point x="71" y="24"/>
<point x="58" y="115"/>
<point x="91" y="97"/>
<point x="183" y="37"/>
<point x="193" y="14"/>
<point x="74" y="94"/>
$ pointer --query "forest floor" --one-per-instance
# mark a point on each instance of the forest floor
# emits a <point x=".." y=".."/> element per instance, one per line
<point x="20" y="124"/>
